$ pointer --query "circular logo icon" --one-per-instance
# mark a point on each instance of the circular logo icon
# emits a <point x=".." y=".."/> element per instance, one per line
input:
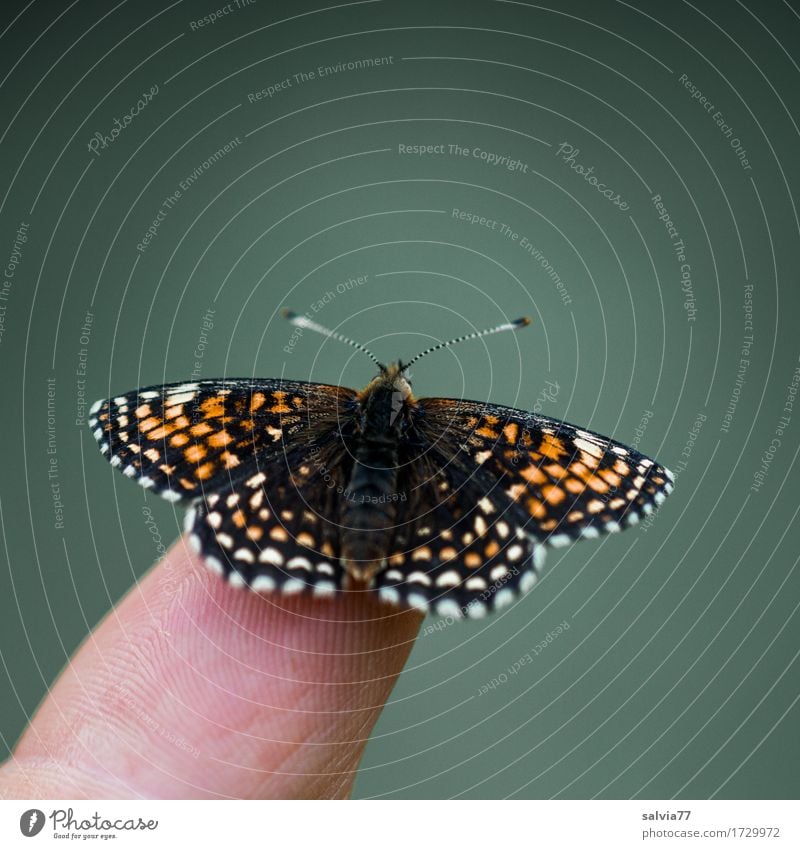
<point x="31" y="822"/>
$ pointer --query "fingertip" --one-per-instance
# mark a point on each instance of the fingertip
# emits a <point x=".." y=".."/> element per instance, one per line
<point x="192" y="688"/>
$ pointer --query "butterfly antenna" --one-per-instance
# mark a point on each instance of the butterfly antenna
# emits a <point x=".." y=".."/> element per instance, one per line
<point x="302" y="321"/>
<point x="509" y="325"/>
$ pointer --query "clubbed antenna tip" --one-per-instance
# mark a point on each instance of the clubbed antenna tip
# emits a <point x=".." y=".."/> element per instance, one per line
<point x="517" y="324"/>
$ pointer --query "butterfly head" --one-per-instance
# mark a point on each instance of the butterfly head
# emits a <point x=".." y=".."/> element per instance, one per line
<point x="395" y="376"/>
<point x="386" y="398"/>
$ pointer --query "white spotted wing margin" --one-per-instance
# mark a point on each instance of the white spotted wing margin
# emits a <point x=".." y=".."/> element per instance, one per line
<point x="278" y="531"/>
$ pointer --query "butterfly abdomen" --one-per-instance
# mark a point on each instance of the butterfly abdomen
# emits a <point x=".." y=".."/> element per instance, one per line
<point x="369" y="508"/>
<point x="369" y="505"/>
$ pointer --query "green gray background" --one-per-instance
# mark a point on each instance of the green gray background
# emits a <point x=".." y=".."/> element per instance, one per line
<point x="678" y="675"/>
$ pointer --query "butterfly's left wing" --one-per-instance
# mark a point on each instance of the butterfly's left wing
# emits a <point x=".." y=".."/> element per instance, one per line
<point x="569" y="482"/>
<point x="278" y="529"/>
<point x="183" y="439"/>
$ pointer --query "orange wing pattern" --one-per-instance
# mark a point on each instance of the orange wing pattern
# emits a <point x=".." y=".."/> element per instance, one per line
<point x="563" y="482"/>
<point x="186" y="438"/>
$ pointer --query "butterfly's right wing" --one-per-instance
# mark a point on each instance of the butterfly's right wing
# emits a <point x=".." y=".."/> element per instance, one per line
<point x="571" y="483"/>
<point x="461" y="547"/>
<point x="492" y="486"/>
<point x="183" y="439"/>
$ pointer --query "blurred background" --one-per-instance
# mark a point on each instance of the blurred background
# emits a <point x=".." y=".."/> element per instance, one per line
<point x="406" y="172"/>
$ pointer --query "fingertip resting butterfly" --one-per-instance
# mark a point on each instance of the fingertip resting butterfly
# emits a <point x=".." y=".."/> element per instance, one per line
<point x="433" y="503"/>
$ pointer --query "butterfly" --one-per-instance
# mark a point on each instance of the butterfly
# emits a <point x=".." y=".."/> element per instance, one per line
<point x="434" y="503"/>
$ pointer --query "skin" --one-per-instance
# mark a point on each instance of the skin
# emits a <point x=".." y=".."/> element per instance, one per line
<point x="190" y="688"/>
